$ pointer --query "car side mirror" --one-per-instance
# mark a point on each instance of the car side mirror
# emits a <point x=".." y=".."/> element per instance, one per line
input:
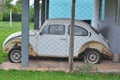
<point x="40" y="33"/>
<point x="89" y="34"/>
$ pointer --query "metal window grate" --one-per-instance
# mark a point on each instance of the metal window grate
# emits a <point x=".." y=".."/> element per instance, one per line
<point x="117" y="20"/>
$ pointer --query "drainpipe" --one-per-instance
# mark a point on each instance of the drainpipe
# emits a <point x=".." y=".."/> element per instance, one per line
<point x="25" y="33"/>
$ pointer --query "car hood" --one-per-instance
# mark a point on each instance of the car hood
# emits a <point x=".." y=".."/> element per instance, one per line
<point x="18" y="35"/>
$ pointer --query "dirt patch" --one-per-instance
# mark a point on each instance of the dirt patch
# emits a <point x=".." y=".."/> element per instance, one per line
<point x="52" y="65"/>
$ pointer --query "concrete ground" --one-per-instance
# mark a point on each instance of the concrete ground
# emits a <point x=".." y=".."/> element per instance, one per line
<point x="61" y="65"/>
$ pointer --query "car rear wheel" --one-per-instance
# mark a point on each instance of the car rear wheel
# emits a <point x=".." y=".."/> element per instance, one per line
<point x="92" y="56"/>
<point x="15" y="55"/>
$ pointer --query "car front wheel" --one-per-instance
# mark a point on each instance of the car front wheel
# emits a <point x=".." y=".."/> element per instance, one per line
<point x="92" y="56"/>
<point x="15" y="55"/>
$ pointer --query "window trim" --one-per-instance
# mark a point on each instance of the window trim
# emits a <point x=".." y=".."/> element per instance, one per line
<point x="49" y="29"/>
<point x="77" y="26"/>
<point x="43" y="29"/>
<point x="57" y="25"/>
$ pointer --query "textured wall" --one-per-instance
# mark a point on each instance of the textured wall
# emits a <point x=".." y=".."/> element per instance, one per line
<point x="109" y="28"/>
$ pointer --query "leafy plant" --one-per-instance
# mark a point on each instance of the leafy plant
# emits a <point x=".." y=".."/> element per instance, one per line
<point x="87" y="67"/>
<point x="1" y="16"/>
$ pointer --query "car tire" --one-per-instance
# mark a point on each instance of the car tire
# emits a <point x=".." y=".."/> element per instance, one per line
<point x="92" y="56"/>
<point x="15" y="55"/>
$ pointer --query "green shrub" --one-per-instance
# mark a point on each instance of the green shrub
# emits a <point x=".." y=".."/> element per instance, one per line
<point x="6" y="15"/>
<point x="87" y="67"/>
<point x="16" y="17"/>
<point x="31" y="14"/>
<point x="1" y="16"/>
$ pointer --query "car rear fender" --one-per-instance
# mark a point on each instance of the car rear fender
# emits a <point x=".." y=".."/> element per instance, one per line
<point x="96" y="45"/>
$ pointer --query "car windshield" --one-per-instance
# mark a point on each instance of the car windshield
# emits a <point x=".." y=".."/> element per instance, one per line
<point x="95" y="30"/>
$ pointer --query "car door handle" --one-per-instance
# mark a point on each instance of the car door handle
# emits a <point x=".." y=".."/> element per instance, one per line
<point x="63" y="39"/>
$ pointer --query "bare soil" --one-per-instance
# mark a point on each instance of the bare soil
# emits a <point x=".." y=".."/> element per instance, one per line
<point x="60" y="65"/>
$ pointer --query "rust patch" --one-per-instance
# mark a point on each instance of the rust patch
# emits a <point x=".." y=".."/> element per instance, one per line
<point x="98" y="46"/>
<point x="31" y="51"/>
<point x="11" y="43"/>
<point x="17" y="41"/>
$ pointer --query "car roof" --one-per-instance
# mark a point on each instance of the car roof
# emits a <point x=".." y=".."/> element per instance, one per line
<point x="65" y="21"/>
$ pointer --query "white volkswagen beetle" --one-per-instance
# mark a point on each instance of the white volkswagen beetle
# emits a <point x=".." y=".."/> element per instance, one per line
<point x="52" y="40"/>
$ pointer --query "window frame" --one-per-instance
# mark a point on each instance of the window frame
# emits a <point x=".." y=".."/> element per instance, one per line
<point x="49" y="29"/>
<point x="41" y="32"/>
<point x="79" y="27"/>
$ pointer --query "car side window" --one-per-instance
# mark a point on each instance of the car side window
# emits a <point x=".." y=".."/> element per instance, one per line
<point x="57" y="29"/>
<point x="45" y="30"/>
<point x="79" y="31"/>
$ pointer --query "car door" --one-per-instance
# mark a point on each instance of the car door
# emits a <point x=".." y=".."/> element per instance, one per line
<point x="52" y="41"/>
<point x="80" y="38"/>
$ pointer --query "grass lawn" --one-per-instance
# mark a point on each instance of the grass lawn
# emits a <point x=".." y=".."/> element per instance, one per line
<point x="5" y="31"/>
<point x="37" y="75"/>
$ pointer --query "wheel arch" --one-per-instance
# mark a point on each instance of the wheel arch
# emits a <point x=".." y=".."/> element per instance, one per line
<point x="11" y="43"/>
<point x="16" y="42"/>
<point x="95" y="45"/>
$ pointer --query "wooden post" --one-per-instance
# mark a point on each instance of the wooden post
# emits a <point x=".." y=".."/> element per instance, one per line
<point x="71" y="49"/>
<point x="25" y="33"/>
<point x="36" y="14"/>
<point x="44" y="11"/>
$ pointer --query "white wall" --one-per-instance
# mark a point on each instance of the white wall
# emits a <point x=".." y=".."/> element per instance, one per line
<point x="109" y="28"/>
<point x="95" y="20"/>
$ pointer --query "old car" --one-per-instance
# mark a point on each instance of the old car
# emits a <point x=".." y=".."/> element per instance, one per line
<point x="53" y="38"/>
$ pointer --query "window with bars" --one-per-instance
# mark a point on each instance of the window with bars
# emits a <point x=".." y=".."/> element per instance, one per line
<point x="117" y="17"/>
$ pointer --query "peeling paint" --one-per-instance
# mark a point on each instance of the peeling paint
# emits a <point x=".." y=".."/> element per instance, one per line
<point x="96" y="45"/>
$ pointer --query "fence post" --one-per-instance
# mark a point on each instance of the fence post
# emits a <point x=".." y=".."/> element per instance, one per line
<point x="25" y="32"/>
<point x="71" y="49"/>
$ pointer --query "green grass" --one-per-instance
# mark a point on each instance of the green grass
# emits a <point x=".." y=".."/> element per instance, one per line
<point x="37" y="75"/>
<point x="5" y="31"/>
